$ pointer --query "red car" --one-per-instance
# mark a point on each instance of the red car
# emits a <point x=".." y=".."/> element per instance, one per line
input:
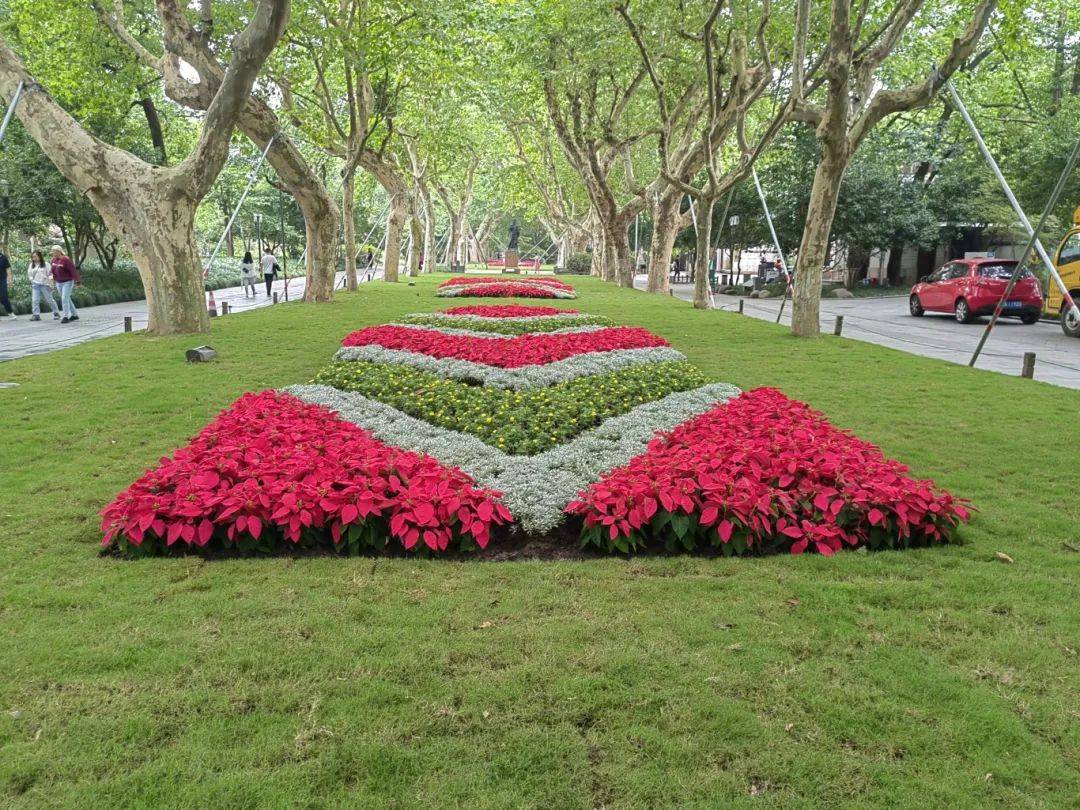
<point x="968" y="288"/>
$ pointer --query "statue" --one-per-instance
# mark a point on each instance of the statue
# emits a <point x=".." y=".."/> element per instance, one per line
<point x="515" y="232"/>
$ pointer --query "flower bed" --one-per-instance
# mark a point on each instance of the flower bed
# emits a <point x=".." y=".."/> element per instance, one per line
<point x="508" y="352"/>
<point x="437" y="431"/>
<point x="515" y="421"/>
<point x="536" y="488"/>
<point x="538" y="376"/>
<point x="764" y="473"/>
<point x="545" y="281"/>
<point x="274" y="471"/>
<point x="504" y="289"/>
<point x="506" y="325"/>
<point x="508" y="311"/>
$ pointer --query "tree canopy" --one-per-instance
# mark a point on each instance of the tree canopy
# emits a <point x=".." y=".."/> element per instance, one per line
<point x="430" y="126"/>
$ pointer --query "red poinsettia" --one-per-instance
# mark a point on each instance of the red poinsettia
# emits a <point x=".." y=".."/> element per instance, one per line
<point x="765" y="472"/>
<point x="543" y="280"/>
<point x="272" y="468"/>
<point x="504" y="352"/>
<point x="507" y="311"/>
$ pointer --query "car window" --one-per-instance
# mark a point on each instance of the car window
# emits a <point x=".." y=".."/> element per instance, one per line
<point x="960" y="270"/>
<point x="937" y="275"/>
<point x="1070" y="251"/>
<point x="1002" y="271"/>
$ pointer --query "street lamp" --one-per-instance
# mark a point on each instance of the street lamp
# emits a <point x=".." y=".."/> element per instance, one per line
<point x="258" y="232"/>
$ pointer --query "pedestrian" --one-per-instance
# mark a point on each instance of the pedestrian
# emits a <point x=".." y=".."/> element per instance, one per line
<point x="5" y="277"/>
<point x="66" y="276"/>
<point x="247" y="273"/>
<point x="41" y="286"/>
<point x="269" y="268"/>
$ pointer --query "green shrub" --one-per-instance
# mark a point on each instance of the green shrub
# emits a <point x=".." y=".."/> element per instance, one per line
<point x="579" y="264"/>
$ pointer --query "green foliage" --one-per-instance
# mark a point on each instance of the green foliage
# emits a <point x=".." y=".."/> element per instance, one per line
<point x="517" y="422"/>
<point x="579" y="264"/>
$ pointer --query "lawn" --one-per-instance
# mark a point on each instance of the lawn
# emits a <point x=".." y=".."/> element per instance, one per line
<point x="933" y="677"/>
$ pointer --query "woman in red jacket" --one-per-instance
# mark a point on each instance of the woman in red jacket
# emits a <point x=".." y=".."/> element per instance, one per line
<point x="66" y="276"/>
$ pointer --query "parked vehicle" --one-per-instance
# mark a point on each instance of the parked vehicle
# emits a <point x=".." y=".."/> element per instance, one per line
<point x="968" y="288"/>
<point x="1067" y="262"/>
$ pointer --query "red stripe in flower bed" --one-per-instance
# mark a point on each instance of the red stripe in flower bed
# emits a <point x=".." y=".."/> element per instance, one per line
<point x="505" y="289"/>
<point x="545" y="280"/>
<point x="765" y="473"/>
<point x="504" y="352"/>
<point x="272" y="468"/>
<point x="507" y="311"/>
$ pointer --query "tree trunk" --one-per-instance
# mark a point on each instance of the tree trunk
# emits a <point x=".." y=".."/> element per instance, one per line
<point x="168" y="262"/>
<point x="702" y="298"/>
<point x="416" y="241"/>
<point x="348" y="219"/>
<point x="429" y="236"/>
<point x="620" y="259"/>
<point x="806" y="302"/>
<point x="395" y="224"/>
<point x="596" y="267"/>
<point x="665" y="231"/>
<point x="454" y="248"/>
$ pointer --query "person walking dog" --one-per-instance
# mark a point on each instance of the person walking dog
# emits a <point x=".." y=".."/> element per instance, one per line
<point x="41" y="281"/>
<point x="5" y="277"/>
<point x="66" y="276"/>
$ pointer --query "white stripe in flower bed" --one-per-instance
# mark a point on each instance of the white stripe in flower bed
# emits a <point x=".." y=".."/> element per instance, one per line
<point x="463" y="291"/>
<point x="515" y="319"/>
<point x="520" y="378"/>
<point x="537" y="488"/>
<point x="449" y="330"/>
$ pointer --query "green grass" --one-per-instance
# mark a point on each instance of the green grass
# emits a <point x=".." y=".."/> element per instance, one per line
<point x="936" y="677"/>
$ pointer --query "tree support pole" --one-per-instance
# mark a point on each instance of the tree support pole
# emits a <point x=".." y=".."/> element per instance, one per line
<point x="252" y="177"/>
<point x="1068" y="301"/>
<point x="776" y="243"/>
<point x="1028" y="248"/>
<point x="11" y="110"/>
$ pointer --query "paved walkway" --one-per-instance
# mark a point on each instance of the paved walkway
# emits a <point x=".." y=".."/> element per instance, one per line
<point x="886" y="322"/>
<point x="23" y="337"/>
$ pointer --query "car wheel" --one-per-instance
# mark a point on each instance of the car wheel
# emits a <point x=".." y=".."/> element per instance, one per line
<point x="963" y="312"/>
<point x="1070" y="325"/>
<point x="915" y="307"/>
<point x="1029" y="318"/>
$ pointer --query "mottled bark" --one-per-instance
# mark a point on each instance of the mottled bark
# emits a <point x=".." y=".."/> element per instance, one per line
<point x="665" y="230"/>
<point x="348" y="219"/>
<point x="395" y="224"/>
<point x="814" y="249"/>
<point x="702" y="298"/>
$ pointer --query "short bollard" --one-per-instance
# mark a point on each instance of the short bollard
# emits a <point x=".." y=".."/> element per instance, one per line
<point x="839" y="325"/>
<point x="741" y="302"/>
<point x="275" y="298"/>
<point x="1029" y="366"/>
<point x="127" y="323"/>
<point x="224" y="307"/>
